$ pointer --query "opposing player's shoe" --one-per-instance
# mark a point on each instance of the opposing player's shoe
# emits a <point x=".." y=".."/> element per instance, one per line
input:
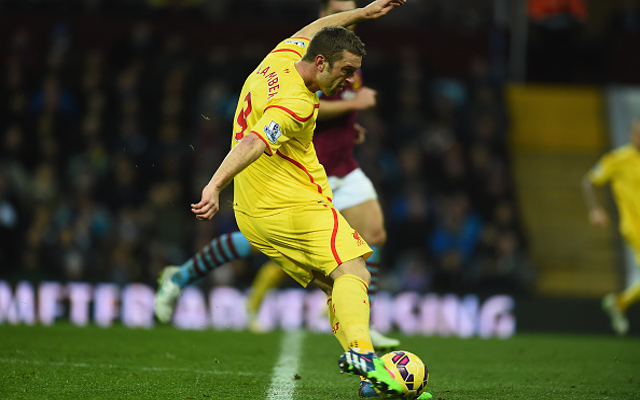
<point x="167" y="294"/>
<point x="366" y="389"/>
<point x="425" y="396"/>
<point x="619" y="322"/>
<point x="383" y="344"/>
<point x="371" y="367"/>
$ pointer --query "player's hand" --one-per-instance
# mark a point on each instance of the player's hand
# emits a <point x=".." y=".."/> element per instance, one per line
<point x="209" y="204"/>
<point x="364" y="98"/>
<point x="380" y="8"/>
<point x="599" y="217"/>
<point x="361" y="133"/>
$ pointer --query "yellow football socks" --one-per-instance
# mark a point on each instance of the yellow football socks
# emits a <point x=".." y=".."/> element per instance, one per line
<point x="268" y="277"/>
<point x="350" y="304"/>
<point x="629" y="296"/>
<point x="338" y="332"/>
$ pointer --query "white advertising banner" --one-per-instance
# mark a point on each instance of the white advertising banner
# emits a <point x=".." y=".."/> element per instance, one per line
<point x="225" y="308"/>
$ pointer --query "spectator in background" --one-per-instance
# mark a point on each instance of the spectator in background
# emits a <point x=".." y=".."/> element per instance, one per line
<point x="9" y="223"/>
<point x="625" y="18"/>
<point x="619" y="167"/>
<point x="454" y="240"/>
<point x="620" y="42"/>
<point x="107" y="115"/>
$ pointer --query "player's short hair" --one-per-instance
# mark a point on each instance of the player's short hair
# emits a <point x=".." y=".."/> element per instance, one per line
<point x="331" y="42"/>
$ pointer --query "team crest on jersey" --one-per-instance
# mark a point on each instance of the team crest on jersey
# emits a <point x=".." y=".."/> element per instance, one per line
<point x="357" y="237"/>
<point x="298" y="43"/>
<point x="272" y="131"/>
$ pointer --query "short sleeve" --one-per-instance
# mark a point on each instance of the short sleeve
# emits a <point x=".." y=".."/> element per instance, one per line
<point x="282" y="121"/>
<point x="275" y="128"/>
<point x="601" y="173"/>
<point x="292" y="48"/>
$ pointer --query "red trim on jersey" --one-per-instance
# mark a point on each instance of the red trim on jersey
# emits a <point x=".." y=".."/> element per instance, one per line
<point x="297" y="164"/>
<point x="294" y="115"/>
<point x="333" y="237"/>
<point x="270" y="152"/>
<point x="293" y="51"/>
<point x="232" y="247"/>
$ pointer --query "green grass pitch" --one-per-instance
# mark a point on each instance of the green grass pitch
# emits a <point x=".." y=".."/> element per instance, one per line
<point x="67" y="362"/>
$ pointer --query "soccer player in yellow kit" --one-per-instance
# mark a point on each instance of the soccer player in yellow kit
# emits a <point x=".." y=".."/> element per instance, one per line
<point x="336" y="135"/>
<point x="282" y="199"/>
<point x="354" y="196"/>
<point x="621" y="168"/>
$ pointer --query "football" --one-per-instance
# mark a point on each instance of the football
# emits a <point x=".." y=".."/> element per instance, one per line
<point x="408" y="370"/>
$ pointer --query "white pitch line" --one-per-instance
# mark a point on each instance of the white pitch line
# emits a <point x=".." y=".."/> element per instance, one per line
<point x="112" y="366"/>
<point x="282" y="381"/>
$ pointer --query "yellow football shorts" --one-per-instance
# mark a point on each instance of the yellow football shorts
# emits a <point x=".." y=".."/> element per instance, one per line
<point x="304" y="239"/>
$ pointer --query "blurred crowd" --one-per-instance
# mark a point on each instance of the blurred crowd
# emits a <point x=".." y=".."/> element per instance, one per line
<point x="104" y="147"/>
<point x="439" y="154"/>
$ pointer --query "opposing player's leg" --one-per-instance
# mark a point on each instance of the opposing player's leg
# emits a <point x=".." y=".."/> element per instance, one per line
<point x="221" y="250"/>
<point x="367" y="218"/>
<point x="269" y="276"/>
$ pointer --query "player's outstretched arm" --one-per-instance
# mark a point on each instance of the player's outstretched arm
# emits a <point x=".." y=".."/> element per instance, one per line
<point x="374" y="10"/>
<point x="597" y="215"/>
<point x="364" y="99"/>
<point x="240" y="157"/>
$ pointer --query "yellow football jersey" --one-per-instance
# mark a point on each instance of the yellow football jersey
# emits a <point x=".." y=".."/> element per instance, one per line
<point x="621" y="167"/>
<point x="276" y="105"/>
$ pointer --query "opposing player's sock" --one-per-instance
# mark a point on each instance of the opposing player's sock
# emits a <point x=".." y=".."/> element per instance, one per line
<point x="380" y="342"/>
<point x="269" y="276"/>
<point x="221" y="250"/>
<point x="373" y="266"/>
<point x="350" y="304"/>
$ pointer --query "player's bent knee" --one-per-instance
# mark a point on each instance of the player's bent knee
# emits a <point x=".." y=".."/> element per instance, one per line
<point x="323" y="283"/>
<point x="355" y="267"/>
<point x="376" y="237"/>
<point x="254" y="250"/>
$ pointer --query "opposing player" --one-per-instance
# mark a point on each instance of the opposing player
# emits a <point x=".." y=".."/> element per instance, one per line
<point x="354" y="196"/>
<point x="621" y="168"/>
<point x="282" y="199"/>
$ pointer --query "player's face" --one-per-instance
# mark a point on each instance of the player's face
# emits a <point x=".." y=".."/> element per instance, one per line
<point x="338" y="6"/>
<point x="332" y="79"/>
